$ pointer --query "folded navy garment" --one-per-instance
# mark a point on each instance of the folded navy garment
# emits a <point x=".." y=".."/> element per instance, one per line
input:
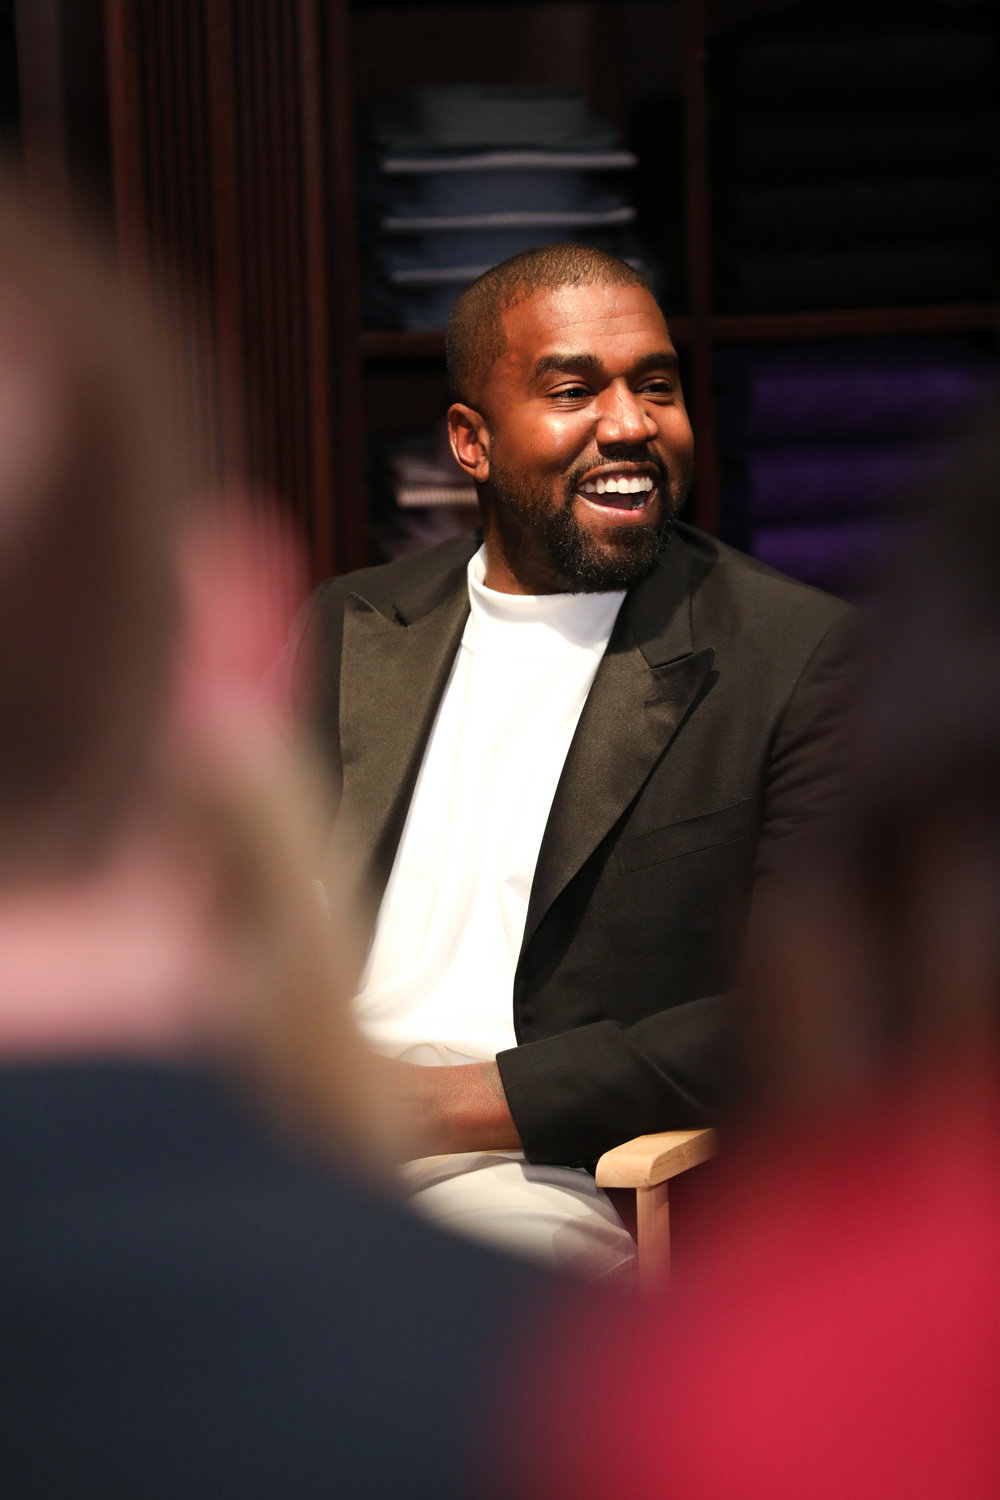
<point x="425" y="257"/>
<point x="457" y="177"/>
<point x="403" y="292"/>
<point x="856" y="160"/>
<point x="807" y="146"/>
<point x="937" y="64"/>
<point x="477" y="116"/>
<point x="838" y="556"/>
<point x="420" y="306"/>
<point x="863" y="210"/>
<point x="502" y="181"/>
<point x="444" y="229"/>
<point x="850" y="277"/>
<point x="786" y="484"/>
<point x="792" y="397"/>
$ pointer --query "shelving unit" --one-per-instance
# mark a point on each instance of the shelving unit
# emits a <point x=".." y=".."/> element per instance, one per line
<point x="230" y="154"/>
<point x="740" y="328"/>
<point x="699" y="329"/>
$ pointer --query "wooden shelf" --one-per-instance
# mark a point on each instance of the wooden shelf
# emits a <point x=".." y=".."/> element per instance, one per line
<point x="742" y="328"/>
<point x="427" y="343"/>
<point x="401" y="343"/>
<point x="221" y="133"/>
<point x="855" y="322"/>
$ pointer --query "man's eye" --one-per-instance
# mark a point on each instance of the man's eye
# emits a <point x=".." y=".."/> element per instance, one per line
<point x="571" y="393"/>
<point x="657" y="388"/>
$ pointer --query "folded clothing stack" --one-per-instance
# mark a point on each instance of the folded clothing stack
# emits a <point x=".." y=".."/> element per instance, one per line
<point x="823" y="446"/>
<point x="424" y="472"/>
<point x="857" y="157"/>
<point x="421" y="494"/>
<point x="457" y="177"/>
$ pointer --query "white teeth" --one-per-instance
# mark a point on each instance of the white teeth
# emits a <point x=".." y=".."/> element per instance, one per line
<point x="636" y="484"/>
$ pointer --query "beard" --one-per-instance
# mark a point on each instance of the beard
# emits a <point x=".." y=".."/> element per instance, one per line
<point x="576" y="560"/>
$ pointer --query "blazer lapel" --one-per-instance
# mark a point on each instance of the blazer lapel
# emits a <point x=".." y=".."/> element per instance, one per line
<point x="393" y="676"/>
<point x="646" y="682"/>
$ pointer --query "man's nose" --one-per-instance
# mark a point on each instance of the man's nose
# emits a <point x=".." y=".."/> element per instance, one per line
<point x="623" y="417"/>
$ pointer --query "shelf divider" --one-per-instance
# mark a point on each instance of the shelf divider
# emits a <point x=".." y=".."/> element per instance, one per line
<point x="742" y="328"/>
<point x="698" y="250"/>
<point x="855" y="322"/>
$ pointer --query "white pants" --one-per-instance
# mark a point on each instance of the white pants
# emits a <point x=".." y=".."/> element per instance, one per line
<point x="557" y="1215"/>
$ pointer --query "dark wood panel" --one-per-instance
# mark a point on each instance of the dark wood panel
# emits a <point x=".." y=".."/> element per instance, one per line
<point x="404" y="397"/>
<point x="222" y="163"/>
<point x="379" y="344"/>
<point x="342" y="325"/>
<point x="856" y="322"/>
<point x="394" y="343"/>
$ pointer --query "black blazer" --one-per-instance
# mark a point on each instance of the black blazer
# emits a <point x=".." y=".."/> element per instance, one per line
<point x="709" y="736"/>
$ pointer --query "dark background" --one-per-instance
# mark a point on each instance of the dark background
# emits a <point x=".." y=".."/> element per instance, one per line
<point x="816" y="189"/>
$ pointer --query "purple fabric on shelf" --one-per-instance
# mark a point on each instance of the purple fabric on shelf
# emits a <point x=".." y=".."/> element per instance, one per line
<point x="791" y="397"/>
<point x="850" y="479"/>
<point x="838" y="557"/>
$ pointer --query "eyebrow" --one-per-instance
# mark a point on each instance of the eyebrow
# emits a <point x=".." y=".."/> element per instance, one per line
<point x="550" y="364"/>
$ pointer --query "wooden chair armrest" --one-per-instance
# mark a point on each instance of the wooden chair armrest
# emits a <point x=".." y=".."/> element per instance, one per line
<point x="651" y="1159"/>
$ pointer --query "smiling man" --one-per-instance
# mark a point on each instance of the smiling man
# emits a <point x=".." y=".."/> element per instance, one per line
<point x="567" y="749"/>
<point x="576" y="435"/>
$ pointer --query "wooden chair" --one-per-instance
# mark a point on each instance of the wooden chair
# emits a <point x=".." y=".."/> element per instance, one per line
<point x="647" y="1164"/>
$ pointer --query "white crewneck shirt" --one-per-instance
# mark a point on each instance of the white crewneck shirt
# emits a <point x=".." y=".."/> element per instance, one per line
<point x="438" y="985"/>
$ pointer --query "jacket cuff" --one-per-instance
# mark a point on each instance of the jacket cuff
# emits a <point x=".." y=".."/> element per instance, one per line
<point x="575" y="1095"/>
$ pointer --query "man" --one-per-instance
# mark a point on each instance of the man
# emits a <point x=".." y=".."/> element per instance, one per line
<point x="566" y="752"/>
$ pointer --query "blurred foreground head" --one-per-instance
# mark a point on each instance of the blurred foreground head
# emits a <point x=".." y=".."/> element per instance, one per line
<point x="156" y="823"/>
<point x="889" y="957"/>
<point x="88" y="518"/>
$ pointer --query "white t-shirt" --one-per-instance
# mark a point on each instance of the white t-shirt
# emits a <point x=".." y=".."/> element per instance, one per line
<point x="438" y="986"/>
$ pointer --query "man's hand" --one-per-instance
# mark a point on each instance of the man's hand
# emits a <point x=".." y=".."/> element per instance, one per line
<point x="452" y="1109"/>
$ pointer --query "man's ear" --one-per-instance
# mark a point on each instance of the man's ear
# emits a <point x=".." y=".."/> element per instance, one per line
<point x="470" y="440"/>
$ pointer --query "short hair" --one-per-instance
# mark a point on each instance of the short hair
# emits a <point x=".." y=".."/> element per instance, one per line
<point x="475" y="337"/>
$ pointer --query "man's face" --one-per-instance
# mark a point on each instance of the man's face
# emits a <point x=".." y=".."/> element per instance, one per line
<point x="584" y="448"/>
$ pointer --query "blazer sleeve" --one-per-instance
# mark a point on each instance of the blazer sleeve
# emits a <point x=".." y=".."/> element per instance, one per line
<point x="576" y="1094"/>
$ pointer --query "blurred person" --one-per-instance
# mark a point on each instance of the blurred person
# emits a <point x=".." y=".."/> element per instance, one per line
<point x="200" y="1295"/>
<point x="837" y="1327"/>
<point x="569" y="744"/>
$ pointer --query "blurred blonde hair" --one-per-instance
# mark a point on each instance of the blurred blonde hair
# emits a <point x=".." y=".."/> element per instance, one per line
<point x="92" y="516"/>
<point x="88" y="500"/>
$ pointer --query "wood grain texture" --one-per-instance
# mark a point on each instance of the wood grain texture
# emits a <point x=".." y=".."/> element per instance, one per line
<point x="220" y="157"/>
<point x="651" y="1159"/>
<point x="652" y="1214"/>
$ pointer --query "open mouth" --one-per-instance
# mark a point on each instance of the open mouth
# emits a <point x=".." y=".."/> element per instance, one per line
<point x="618" y="490"/>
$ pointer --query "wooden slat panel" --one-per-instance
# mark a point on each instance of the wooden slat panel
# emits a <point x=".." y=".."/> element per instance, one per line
<point x="127" y="154"/>
<point x="345" y="289"/>
<point x="221" y="163"/>
<point x="222" y="231"/>
<point x="318" y="171"/>
<point x="42" y="105"/>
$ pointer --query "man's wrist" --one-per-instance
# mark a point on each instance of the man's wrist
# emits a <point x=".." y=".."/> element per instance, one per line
<point x="477" y="1115"/>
